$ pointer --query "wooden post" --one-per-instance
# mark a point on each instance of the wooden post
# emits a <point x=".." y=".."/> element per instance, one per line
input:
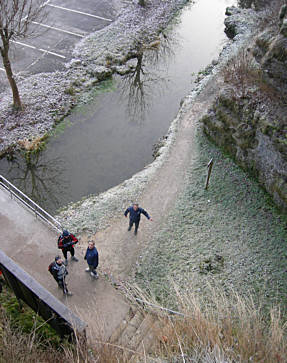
<point x="209" y="165"/>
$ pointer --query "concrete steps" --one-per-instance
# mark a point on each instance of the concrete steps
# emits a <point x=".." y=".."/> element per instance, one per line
<point x="136" y="335"/>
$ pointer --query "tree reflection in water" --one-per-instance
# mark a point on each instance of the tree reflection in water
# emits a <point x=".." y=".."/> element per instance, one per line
<point x="138" y="86"/>
<point x="37" y="177"/>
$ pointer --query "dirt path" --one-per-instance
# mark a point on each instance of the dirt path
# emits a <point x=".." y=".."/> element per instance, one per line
<point x="119" y="249"/>
<point x="33" y="245"/>
<point x="97" y="302"/>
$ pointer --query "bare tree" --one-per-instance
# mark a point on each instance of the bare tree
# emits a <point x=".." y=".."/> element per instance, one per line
<point x="38" y="177"/>
<point x="138" y="85"/>
<point x="16" y="18"/>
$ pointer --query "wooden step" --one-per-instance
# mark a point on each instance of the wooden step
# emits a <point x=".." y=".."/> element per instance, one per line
<point x="149" y="342"/>
<point x="121" y="327"/>
<point x="130" y="330"/>
<point x="140" y="333"/>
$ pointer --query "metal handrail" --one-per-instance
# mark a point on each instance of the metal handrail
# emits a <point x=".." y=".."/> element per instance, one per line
<point x="173" y="312"/>
<point x="30" y="204"/>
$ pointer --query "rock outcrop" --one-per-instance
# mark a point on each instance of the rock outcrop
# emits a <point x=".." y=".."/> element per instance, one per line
<point x="249" y="117"/>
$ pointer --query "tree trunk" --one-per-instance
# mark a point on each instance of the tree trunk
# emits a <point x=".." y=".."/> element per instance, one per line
<point x="6" y="62"/>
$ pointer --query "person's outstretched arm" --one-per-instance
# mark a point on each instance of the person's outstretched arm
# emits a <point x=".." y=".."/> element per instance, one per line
<point x="127" y="211"/>
<point x="145" y="213"/>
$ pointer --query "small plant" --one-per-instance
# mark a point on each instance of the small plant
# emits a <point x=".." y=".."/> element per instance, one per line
<point x="70" y="91"/>
<point x="211" y="264"/>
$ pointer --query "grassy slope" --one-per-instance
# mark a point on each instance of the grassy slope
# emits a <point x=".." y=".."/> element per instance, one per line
<point x="234" y="219"/>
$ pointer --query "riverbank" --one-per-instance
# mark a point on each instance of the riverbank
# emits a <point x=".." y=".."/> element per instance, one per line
<point x="49" y="97"/>
<point x="230" y="235"/>
<point x="95" y="213"/>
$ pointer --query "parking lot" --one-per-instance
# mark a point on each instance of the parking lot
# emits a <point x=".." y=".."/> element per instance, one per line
<point x="68" y="21"/>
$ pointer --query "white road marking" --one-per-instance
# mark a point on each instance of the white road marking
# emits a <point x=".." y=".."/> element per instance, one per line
<point x="2" y="69"/>
<point x="55" y="54"/>
<point x="40" y="49"/>
<point x="58" y="29"/>
<point x="79" y="12"/>
<point x="25" y="45"/>
<point x="46" y="3"/>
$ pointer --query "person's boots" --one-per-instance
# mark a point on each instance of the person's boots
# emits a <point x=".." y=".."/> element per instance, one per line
<point x="66" y="262"/>
<point x="94" y="275"/>
<point x="74" y="258"/>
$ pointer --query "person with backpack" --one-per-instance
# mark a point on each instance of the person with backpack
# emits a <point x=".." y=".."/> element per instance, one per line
<point x="66" y="243"/>
<point x="59" y="272"/>
<point x="135" y="215"/>
<point x="92" y="258"/>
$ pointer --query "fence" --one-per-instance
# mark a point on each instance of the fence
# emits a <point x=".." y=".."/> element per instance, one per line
<point x="27" y="289"/>
<point x="29" y="203"/>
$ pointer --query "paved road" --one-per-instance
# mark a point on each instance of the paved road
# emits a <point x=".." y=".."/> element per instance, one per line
<point x="32" y="244"/>
<point x="68" y="22"/>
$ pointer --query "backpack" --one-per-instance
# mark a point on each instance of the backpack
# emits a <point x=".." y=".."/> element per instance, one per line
<point x="50" y="268"/>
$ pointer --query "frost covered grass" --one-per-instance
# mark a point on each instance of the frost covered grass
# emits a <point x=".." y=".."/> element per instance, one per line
<point x="48" y="97"/>
<point x="230" y="236"/>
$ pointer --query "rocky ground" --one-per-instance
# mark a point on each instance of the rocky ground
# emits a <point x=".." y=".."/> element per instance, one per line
<point x="248" y="118"/>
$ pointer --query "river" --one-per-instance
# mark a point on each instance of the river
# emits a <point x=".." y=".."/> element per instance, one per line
<point x="111" y="137"/>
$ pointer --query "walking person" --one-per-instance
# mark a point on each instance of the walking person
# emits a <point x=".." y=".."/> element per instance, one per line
<point x="66" y="243"/>
<point x="59" y="272"/>
<point x="92" y="258"/>
<point x="135" y="215"/>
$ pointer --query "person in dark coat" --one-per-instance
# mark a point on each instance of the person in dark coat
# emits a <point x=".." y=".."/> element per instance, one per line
<point x="66" y="243"/>
<point x="92" y="258"/>
<point x="59" y="272"/>
<point x="135" y="215"/>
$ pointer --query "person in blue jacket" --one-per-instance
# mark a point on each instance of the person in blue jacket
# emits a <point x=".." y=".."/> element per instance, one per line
<point x="135" y="215"/>
<point x="92" y="258"/>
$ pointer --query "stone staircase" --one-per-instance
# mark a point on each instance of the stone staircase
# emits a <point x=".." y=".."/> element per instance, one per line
<point x="137" y="336"/>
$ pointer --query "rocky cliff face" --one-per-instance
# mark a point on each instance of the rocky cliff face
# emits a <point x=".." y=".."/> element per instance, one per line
<point x="249" y="117"/>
